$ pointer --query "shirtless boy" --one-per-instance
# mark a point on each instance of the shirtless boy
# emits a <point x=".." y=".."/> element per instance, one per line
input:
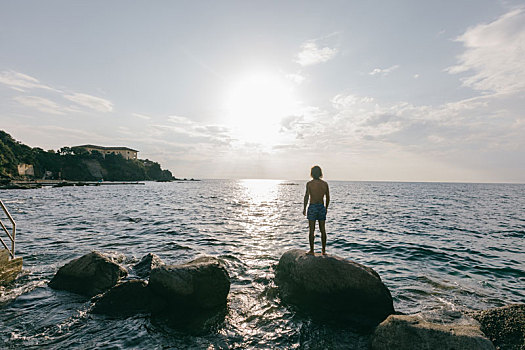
<point x="316" y="190"/>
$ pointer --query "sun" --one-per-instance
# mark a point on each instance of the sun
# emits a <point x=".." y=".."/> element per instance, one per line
<point x="256" y="104"/>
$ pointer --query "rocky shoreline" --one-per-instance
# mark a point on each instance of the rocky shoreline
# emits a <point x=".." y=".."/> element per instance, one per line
<point x="188" y="295"/>
<point x="194" y="297"/>
<point x="33" y="184"/>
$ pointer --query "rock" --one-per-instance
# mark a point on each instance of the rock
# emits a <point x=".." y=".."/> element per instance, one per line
<point x="126" y="299"/>
<point x="411" y="332"/>
<point x="200" y="284"/>
<point x="334" y="287"/>
<point x="146" y="264"/>
<point x="116" y="257"/>
<point x="190" y="297"/>
<point x="88" y="275"/>
<point x="505" y="326"/>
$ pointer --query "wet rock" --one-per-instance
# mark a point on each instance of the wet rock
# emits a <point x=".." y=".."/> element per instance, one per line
<point x="411" y="332"/>
<point x="333" y="287"/>
<point x="200" y="284"/>
<point x="126" y="299"/>
<point x="88" y="275"/>
<point x="116" y="257"/>
<point x="146" y="264"/>
<point x="505" y="326"/>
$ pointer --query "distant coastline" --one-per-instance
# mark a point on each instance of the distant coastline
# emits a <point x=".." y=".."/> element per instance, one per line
<point x="21" y="164"/>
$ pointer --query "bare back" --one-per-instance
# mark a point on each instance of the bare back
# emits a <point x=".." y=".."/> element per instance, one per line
<point x="317" y="189"/>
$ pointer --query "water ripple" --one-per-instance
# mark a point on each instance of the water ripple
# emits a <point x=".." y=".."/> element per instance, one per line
<point x="436" y="246"/>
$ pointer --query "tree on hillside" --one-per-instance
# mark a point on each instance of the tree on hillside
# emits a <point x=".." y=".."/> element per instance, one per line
<point x="75" y="163"/>
<point x="8" y="161"/>
<point x="47" y="161"/>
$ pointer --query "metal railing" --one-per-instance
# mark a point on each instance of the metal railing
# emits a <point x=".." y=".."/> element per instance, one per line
<point x="12" y="235"/>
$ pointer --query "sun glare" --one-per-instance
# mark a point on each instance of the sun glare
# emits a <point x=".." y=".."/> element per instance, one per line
<point x="256" y="104"/>
<point x="260" y="190"/>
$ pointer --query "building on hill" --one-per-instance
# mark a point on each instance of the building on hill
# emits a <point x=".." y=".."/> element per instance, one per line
<point x="125" y="152"/>
<point x="26" y="170"/>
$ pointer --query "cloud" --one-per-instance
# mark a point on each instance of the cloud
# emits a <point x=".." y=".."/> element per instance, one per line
<point x="176" y="119"/>
<point x="41" y="104"/>
<point x="290" y="122"/>
<point x="216" y="130"/>
<point x="96" y="103"/>
<point x="494" y="56"/>
<point x="383" y="71"/>
<point x="141" y="116"/>
<point x="311" y="53"/>
<point x="342" y="101"/>
<point x="51" y="99"/>
<point x="192" y="133"/>
<point x="483" y="133"/>
<point x="19" y="81"/>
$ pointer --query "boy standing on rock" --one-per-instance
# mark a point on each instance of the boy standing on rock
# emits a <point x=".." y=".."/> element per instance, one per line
<point x="316" y="190"/>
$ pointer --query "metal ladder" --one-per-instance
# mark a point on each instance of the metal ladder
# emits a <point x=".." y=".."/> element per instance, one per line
<point x="11" y="235"/>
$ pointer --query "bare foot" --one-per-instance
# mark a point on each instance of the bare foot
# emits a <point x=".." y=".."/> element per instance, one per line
<point x="324" y="252"/>
<point x="310" y="252"/>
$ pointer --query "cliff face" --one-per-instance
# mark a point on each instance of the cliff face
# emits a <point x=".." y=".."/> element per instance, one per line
<point x="75" y="164"/>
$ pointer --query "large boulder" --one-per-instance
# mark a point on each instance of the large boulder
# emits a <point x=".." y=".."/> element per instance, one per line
<point x="505" y="326"/>
<point x="88" y="275"/>
<point x="200" y="284"/>
<point x="146" y="264"/>
<point x="411" y="332"/>
<point x="334" y="287"/>
<point x="126" y="299"/>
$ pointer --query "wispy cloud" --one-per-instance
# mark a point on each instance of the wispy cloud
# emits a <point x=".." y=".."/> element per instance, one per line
<point x="192" y="133"/>
<point x="96" y="103"/>
<point x="455" y="133"/>
<point x="314" y="52"/>
<point x="343" y="101"/>
<point x="384" y="71"/>
<point x="20" y="82"/>
<point x="494" y="56"/>
<point x="141" y="116"/>
<point x="179" y="120"/>
<point x="41" y="104"/>
<point x="51" y="100"/>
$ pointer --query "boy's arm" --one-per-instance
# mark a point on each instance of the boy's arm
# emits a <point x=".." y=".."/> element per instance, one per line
<point x="306" y="196"/>
<point x="327" y="196"/>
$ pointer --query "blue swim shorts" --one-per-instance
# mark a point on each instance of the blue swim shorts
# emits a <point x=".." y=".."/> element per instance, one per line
<point x="316" y="211"/>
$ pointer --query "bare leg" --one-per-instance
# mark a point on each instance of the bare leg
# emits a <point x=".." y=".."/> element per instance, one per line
<point x="311" y="226"/>
<point x="323" y="235"/>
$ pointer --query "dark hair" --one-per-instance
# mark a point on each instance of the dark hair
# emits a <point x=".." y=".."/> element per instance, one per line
<point x="316" y="172"/>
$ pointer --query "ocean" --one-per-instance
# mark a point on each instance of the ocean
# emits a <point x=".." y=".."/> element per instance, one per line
<point x="441" y="248"/>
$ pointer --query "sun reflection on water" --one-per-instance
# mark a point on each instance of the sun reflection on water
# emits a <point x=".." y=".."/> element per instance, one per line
<point x="259" y="215"/>
<point x="259" y="191"/>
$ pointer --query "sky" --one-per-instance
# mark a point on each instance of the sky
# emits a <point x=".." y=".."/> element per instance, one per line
<point x="368" y="90"/>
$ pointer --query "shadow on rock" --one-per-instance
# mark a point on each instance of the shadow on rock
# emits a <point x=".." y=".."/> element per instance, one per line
<point x="191" y="297"/>
<point x="127" y="299"/>
<point x="88" y="275"/>
<point x="332" y="288"/>
<point x="146" y="264"/>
